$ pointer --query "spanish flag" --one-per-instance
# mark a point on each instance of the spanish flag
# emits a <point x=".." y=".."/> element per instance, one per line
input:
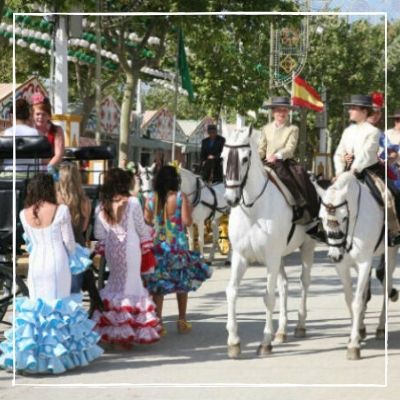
<point x="306" y="96"/>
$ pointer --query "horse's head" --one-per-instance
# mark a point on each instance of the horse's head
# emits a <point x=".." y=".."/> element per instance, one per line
<point x="146" y="177"/>
<point x="334" y="214"/>
<point x="188" y="180"/>
<point x="236" y="159"/>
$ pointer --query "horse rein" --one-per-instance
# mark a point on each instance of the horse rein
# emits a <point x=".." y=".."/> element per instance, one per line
<point x="244" y="181"/>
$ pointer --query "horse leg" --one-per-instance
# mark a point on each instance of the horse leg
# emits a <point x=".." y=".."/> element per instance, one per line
<point x="190" y="231"/>
<point x="237" y="271"/>
<point x="280" y="336"/>
<point x="273" y="266"/>
<point x="307" y="259"/>
<point x="343" y="270"/>
<point x="353" y="348"/>
<point x="388" y="276"/>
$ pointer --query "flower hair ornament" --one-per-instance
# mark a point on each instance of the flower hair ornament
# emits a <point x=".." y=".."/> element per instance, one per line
<point x="176" y="164"/>
<point x="377" y="100"/>
<point x="38" y="98"/>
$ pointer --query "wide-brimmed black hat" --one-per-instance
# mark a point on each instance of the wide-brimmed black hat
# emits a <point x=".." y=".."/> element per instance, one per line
<point x="395" y="115"/>
<point x="360" y="100"/>
<point x="279" y="101"/>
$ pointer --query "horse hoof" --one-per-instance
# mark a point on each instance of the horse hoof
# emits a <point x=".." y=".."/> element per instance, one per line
<point x="363" y="333"/>
<point x="234" y="351"/>
<point x="353" y="353"/>
<point x="280" y="338"/>
<point x="380" y="334"/>
<point x="300" y="332"/>
<point x="264" y="350"/>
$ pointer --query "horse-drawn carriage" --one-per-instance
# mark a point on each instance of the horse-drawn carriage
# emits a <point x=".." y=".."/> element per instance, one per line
<point x="34" y="149"/>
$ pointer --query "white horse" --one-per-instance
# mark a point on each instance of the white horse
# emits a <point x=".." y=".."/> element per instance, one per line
<point x="354" y="225"/>
<point x="208" y="202"/>
<point x="146" y="177"/>
<point x="260" y="230"/>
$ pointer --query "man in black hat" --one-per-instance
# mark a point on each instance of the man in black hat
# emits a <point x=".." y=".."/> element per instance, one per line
<point x="210" y="155"/>
<point x="357" y="152"/>
<point x="276" y="149"/>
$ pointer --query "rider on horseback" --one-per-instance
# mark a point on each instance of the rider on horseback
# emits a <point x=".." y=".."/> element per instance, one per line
<point x="357" y="152"/>
<point x="210" y="155"/>
<point x="276" y="149"/>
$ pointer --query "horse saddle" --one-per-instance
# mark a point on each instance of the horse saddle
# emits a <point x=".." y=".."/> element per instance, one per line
<point x="273" y="177"/>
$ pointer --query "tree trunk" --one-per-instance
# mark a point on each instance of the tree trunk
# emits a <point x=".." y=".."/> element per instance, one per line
<point x="88" y="104"/>
<point x="126" y="107"/>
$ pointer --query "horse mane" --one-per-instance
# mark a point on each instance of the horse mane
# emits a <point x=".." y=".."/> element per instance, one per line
<point x="343" y="180"/>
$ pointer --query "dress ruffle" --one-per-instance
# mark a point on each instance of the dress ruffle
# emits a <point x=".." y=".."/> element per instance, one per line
<point x="51" y="336"/>
<point x="177" y="270"/>
<point x="79" y="261"/>
<point x="127" y="319"/>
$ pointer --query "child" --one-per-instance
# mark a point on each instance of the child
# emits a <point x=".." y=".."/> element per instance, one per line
<point x="129" y="315"/>
<point x="178" y="270"/>
<point x="52" y="331"/>
<point x="70" y="192"/>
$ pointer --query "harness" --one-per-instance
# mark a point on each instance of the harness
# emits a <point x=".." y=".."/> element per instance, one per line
<point x="244" y="181"/>
<point x="347" y="241"/>
<point x="197" y="199"/>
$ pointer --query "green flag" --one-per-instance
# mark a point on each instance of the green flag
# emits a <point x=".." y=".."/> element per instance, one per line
<point x="183" y="67"/>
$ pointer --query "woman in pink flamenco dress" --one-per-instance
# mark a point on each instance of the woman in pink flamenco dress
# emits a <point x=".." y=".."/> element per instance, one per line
<point x="129" y="316"/>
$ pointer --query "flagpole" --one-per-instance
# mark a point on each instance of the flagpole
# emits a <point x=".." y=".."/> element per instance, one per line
<point x="175" y="100"/>
<point x="291" y="96"/>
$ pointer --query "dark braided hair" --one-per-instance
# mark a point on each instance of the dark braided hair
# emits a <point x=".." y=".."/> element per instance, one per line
<point x="40" y="189"/>
<point x="166" y="180"/>
<point x="117" y="182"/>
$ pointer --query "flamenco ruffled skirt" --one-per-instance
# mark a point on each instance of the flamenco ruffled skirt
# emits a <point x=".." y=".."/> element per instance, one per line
<point x="127" y="320"/>
<point x="51" y="336"/>
<point x="178" y="270"/>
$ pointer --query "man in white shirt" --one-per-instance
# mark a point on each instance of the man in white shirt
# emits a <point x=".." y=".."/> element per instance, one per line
<point x="22" y="128"/>
<point x="357" y="152"/>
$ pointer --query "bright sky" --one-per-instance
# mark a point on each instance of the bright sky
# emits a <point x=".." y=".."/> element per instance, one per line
<point x="392" y="7"/>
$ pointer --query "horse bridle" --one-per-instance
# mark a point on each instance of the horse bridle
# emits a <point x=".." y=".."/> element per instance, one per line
<point x="244" y="181"/>
<point x="197" y="199"/>
<point x="331" y="210"/>
<point x="147" y="172"/>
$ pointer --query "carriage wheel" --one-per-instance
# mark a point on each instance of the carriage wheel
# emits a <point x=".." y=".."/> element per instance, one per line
<point x="223" y="241"/>
<point x="6" y="289"/>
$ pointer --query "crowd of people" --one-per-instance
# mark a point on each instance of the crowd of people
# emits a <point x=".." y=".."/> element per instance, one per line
<point x="145" y="244"/>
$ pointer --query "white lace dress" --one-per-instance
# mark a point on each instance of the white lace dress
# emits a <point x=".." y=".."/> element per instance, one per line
<point x="129" y="315"/>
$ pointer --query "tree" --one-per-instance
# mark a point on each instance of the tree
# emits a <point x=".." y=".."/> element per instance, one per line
<point x="393" y="66"/>
<point x="348" y="58"/>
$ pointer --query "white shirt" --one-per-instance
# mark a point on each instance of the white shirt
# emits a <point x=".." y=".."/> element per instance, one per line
<point x="362" y="140"/>
<point x="21" y="164"/>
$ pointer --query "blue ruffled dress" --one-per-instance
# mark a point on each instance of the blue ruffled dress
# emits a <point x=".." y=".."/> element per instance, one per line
<point x="178" y="269"/>
<point x="52" y="331"/>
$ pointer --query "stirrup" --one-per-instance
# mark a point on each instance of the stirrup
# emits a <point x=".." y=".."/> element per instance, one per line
<point x="183" y="326"/>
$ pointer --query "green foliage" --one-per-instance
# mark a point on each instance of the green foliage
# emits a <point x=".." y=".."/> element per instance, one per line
<point x="347" y="59"/>
<point x="393" y="66"/>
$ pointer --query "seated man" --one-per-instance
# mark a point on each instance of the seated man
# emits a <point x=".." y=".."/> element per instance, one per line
<point x="357" y="152"/>
<point x="210" y="156"/>
<point x="276" y="149"/>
